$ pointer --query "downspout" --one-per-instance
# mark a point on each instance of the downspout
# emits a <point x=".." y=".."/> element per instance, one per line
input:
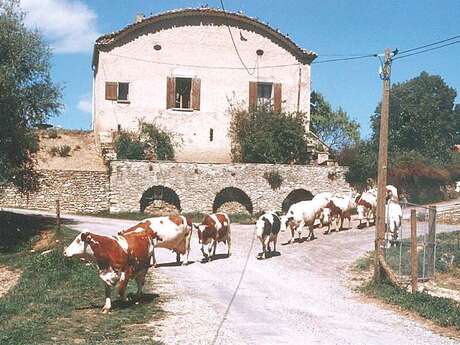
<point x="298" y="89"/>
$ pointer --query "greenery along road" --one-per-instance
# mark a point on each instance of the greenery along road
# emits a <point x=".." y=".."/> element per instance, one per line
<point x="58" y="301"/>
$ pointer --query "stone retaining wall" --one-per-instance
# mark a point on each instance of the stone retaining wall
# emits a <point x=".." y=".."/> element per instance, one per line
<point x="78" y="191"/>
<point x="197" y="186"/>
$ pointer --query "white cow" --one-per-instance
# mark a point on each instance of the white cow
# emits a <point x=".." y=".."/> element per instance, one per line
<point x="393" y="220"/>
<point x="303" y="213"/>
<point x="267" y="228"/>
<point x="326" y="219"/>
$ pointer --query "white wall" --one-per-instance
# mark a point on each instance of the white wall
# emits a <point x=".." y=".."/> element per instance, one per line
<point x="205" y="45"/>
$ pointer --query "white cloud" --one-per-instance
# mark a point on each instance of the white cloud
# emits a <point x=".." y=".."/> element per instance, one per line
<point x="69" y="25"/>
<point x="85" y="105"/>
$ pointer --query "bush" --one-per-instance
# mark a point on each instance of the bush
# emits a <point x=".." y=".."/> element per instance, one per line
<point x="152" y="143"/>
<point x="158" y="141"/>
<point x="60" y="150"/>
<point x="128" y="146"/>
<point x="274" y="179"/>
<point x="264" y="136"/>
<point x="52" y="133"/>
<point x="424" y="180"/>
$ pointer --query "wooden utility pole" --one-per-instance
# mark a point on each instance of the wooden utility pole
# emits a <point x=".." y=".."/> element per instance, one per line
<point x="382" y="165"/>
<point x="58" y="215"/>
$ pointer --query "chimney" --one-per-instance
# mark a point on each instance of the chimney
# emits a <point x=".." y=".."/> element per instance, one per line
<point x="139" y="17"/>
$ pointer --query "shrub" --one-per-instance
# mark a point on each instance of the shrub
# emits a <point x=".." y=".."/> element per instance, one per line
<point x="150" y="143"/>
<point x="52" y="133"/>
<point x="60" y="150"/>
<point x="273" y="178"/>
<point x="128" y="146"/>
<point x="264" y="136"/>
<point x="158" y="141"/>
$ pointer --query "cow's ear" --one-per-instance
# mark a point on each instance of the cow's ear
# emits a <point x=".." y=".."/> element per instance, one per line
<point x="85" y="237"/>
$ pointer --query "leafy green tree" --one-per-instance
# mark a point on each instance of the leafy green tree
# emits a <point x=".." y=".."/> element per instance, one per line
<point x="423" y="118"/>
<point x="264" y="136"/>
<point x="333" y="127"/>
<point x="27" y="95"/>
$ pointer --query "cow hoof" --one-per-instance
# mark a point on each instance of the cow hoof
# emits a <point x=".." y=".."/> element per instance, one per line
<point x="185" y="263"/>
<point x="105" y="311"/>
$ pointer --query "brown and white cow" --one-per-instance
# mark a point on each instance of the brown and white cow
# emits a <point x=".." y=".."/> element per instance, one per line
<point x="341" y="208"/>
<point x="171" y="232"/>
<point x="118" y="258"/>
<point x="213" y="229"/>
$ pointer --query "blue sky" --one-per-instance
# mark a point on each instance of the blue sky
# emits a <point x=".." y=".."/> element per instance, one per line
<point x="327" y="27"/>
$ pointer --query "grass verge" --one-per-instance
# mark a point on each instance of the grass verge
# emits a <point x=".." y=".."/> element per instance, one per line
<point x="58" y="301"/>
<point x="239" y="218"/>
<point x="442" y="311"/>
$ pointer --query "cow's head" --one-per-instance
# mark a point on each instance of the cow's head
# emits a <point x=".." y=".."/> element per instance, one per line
<point x="361" y="212"/>
<point x="80" y="247"/>
<point x="325" y="216"/>
<point x="202" y="231"/>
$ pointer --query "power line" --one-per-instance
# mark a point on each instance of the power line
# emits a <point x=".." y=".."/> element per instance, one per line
<point x="234" y="44"/>
<point x="430" y="44"/>
<point x="426" y="50"/>
<point x="345" y="59"/>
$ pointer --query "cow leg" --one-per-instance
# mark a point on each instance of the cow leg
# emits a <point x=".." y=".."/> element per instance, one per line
<point x="300" y="228"/>
<point x="177" y="257"/>
<point x="274" y="243"/>
<point x="206" y="257"/>
<point x="140" y="281"/>
<point x="210" y="250"/>
<point x="187" y="247"/>
<point x="311" y="235"/>
<point x="108" y="304"/>
<point x="123" y="285"/>
<point x="292" y="234"/>
<point x="229" y="245"/>
<point x="214" y="246"/>
<point x="266" y="246"/>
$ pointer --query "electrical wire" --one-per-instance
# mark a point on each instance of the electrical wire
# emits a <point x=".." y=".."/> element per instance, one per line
<point x="430" y="44"/>
<point x="345" y="59"/>
<point x="426" y="50"/>
<point x="234" y="44"/>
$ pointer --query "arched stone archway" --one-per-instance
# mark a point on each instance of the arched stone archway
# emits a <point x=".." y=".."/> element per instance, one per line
<point x="160" y="199"/>
<point x="295" y="196"/>
<point x="232" y="195"/>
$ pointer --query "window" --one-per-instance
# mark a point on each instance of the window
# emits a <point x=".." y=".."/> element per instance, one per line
<point x="183" y="93"/>
<point x="264" y="94"/>
<point x="115" y="91"/>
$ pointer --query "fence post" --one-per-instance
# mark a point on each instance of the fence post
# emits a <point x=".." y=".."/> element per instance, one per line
<point x="430" y="255"/>
<point x="58" y="216"/>
<point x="413" y="249"/>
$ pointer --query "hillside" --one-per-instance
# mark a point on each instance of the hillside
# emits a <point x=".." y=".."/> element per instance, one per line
<point x="82" y="155"/>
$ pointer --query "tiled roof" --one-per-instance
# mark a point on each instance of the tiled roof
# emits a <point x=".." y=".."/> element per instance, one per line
<point x="302" y="55"/>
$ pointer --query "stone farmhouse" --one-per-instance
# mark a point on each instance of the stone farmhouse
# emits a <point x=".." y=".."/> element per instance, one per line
<point x="182" y="70"/>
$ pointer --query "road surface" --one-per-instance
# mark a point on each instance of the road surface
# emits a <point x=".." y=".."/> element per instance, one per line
<point x="298" y="297"/>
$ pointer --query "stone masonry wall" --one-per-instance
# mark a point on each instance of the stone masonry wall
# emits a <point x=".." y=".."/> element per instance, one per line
<point x="197" y="184"/>
<point x="78" y="191"/>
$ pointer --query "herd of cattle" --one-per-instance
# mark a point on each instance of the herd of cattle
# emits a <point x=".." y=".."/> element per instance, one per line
<point x="129" y="254"/>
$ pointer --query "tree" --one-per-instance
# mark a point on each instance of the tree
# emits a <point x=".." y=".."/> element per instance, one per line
<point x="264" y="136"/>
<point x="333" y="127"/>
<point x="27" y="95"/>
<point x="423" y="118"/>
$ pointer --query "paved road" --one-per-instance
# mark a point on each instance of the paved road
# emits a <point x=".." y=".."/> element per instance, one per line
<point x="298" y="297"/>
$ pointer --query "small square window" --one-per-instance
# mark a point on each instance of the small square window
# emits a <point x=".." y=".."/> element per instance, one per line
<point x="183" y="93"/>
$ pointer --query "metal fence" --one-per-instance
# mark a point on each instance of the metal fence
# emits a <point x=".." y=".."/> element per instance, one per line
<point x="398" y="246"/>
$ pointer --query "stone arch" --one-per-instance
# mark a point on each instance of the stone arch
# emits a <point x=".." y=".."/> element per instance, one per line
<point x="160" y="193"/>
<point x="232" y="194"/>
<point x="295" y="196"/>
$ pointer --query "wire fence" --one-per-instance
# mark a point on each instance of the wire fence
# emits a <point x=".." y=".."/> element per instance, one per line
<point x="398" y="245"/>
